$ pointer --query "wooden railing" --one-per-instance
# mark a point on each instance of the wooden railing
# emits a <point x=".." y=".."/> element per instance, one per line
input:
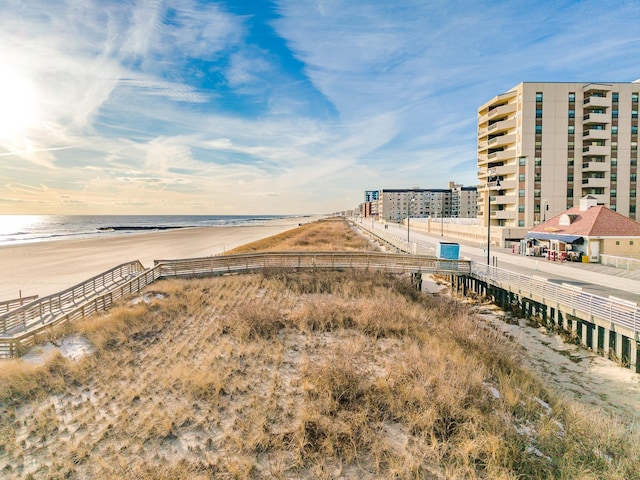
<point x="8" y="305"/>
<point x="19" y="327"/>
<point x="389" y="262"/>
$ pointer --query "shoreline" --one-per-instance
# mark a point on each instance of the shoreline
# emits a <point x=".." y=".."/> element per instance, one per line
<point x="48" y="267"/>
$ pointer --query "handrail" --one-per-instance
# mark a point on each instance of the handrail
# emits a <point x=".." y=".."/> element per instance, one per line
<point x="612" y="310"/>
<point x="8" y="305"/>
<point x="609" y="310"/>
<point x="56" y="304"/>
<point x="26" y="321"/>
<point x="241" y="263"/>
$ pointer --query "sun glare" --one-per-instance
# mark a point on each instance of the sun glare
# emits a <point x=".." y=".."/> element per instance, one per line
<point x="17" y="106"/>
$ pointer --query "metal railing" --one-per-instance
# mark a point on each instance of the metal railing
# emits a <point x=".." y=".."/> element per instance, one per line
<point x="396" y="241"/>
<point x="583" y="305"/>
<point x="624" y="263"/>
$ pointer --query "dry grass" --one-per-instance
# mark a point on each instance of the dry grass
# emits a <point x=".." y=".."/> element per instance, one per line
<point x="330" y="234"/>
<point x="298" y="375"/>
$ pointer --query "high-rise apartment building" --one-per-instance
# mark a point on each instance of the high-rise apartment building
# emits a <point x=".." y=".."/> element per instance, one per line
<point x="543" y="146"/>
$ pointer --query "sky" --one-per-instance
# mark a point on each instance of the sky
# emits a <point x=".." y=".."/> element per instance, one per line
<point x="272" y="106"/>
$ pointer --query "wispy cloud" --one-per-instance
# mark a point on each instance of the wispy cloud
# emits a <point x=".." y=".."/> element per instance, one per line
<point x="178" y="106"/>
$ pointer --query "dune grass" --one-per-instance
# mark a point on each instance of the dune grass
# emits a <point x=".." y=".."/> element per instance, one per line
<point x="298" y="375"/>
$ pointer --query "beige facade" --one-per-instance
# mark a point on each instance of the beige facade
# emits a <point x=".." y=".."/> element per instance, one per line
<point x="543" y="146"/>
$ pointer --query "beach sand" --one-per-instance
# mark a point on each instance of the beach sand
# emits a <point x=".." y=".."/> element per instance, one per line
<point x="46" y="268"/>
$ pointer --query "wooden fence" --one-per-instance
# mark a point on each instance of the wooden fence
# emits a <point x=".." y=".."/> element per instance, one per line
<point x="8" y="305"/>
<point x="19" y="327"/>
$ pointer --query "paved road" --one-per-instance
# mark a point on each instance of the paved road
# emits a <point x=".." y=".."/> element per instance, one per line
<point x="593" y="278"/>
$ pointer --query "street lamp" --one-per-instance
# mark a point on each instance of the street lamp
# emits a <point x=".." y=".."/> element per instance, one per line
<point x="492" y="178"/>
<point x="442" y="214"/>
<point x="409" y="202"/>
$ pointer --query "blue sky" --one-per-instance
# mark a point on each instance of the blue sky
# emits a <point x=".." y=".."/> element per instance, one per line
<point x="274" y="106"/>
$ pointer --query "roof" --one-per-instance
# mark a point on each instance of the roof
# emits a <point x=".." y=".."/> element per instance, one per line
<point x="597" y="221"/>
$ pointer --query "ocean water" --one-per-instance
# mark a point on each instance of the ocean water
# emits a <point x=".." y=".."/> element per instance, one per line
<point x="16" y="229"/>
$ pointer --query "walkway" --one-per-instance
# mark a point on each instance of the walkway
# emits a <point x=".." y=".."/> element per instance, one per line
<point x="591" y="277"/>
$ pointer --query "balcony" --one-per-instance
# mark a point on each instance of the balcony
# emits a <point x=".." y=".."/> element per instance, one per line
<point x="503" y="214"/>
<point x="502" y="141"/>
<point x="596" y="118"/>
<point x="594" y="134"/>
<point x="595" y="182"/>
<point x="595" y="167"/>
<point x="596" y="150"/>
<point x="502" y="110"/>
<point x="508" y="154"/>
<point x="597" y="102"/>
<point x="502" y="125"/>
<point x="502" y="199"/>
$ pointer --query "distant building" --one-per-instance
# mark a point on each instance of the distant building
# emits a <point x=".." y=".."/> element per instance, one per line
<point x="544" y="146"/>
<point x="464" y="201"/>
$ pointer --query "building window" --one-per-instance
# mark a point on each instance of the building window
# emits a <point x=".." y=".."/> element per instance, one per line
<point x="634" y="129"/>
<point x="614" y="193"/>
<point x="521" y="208"/>
<point x="570" y="161"/>
<point x="615" y="96"/>
<point x="521" y="192"/>
<point x="536" y="193"/>
<point x="572" y="114"/>
<point x="570" y="145"/>
<point x="569" y="192"/>
<point x="617" y="242"/>
<point x="634" y="145"/>
<point x="632" y="209"/>
<point x="538" y="96"/>
<point x="522" y="161"/>
<point x="614" y="129"/>
<point x="614" y="113"/>
<point x="630" y="242"/>
<point x="538" y="113"/>
<point x="614" y="161"/>
<point x="521" y="177"/>
<point x="612" y="207"/>
<point x="634" y="113"/>
<point x="521" y="223"/>
<point x="538" y="161"/>
<point x="634" y="97"/>
<point x="633" y="177"/>
<point x="632" y="193"/>
<point x="572" y="97"/>
<point x="570" y="177"/>
<point x="572" y="129"/>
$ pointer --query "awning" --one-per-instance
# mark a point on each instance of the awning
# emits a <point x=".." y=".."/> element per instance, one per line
<point x="555" y="236"/>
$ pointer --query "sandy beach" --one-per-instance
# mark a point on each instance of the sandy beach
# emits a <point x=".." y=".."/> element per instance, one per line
<point x="45" y="268"/>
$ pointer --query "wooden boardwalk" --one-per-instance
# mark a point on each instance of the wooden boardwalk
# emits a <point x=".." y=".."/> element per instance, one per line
<point x="19" y="326"/>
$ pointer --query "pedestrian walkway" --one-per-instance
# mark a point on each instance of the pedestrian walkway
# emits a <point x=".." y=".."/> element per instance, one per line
<point x="591" y="277"/>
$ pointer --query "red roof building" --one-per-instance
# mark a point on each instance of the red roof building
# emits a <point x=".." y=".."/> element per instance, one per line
<point x="590" y="230"/>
